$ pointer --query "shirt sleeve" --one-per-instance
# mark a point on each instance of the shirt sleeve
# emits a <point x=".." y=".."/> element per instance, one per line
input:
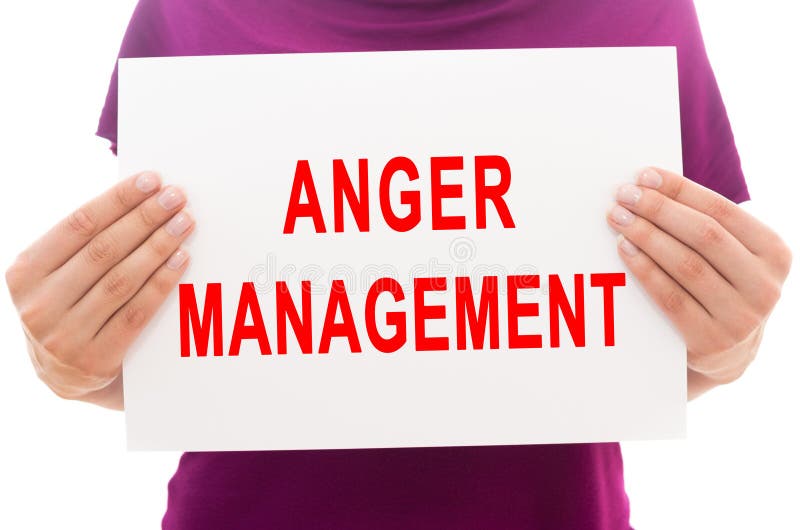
<point x="144" y="37"/>
<point x="710" y="156"/>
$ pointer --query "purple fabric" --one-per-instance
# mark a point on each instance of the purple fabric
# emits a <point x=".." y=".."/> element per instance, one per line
<point x="578" y="486"/>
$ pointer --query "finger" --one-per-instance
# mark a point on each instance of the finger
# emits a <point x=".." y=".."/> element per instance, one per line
<point x="754" y="235"/>
<point x="114" y="244"/>
<point x="686" y="313"/>
<point x="706" y="340"/>
<point x="126" y="324"/>
<point x="123" y="281"/>
<point x="698" y="231"/>
<point x="689" y="269"/>
<point x="62" y="241"/>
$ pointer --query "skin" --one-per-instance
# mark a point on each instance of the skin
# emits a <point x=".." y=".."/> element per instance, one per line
<point x="715" y="270"/>
<point x="87" y="288"/>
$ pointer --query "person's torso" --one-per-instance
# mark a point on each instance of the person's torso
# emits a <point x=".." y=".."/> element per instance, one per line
<point x="547" y="487"/>
<point x="578" y="486"/>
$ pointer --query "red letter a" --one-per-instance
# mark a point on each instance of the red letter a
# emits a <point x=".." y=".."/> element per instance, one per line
<point x="249" y="300"/>
<point x="303" y="179"/>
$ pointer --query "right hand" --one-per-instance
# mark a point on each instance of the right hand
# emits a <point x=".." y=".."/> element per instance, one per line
<point x="86" y="288"/>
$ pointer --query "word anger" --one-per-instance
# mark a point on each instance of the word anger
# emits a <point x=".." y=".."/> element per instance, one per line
<point x="358" y="199"/>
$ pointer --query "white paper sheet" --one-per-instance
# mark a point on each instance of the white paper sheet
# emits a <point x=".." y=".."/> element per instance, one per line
<point x="572" y="123"/>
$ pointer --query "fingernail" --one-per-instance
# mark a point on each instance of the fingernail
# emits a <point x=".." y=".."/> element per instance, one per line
<point x="650" y="178"/>
<point x="177" y="259"/>
<point x="627" y="247"/>
<point x="629" y="194"/>
<point x="621" y="216"/>
<point x="147" y="182"/>
<point x="178" y="224"/>
<point x="170" y="198"/>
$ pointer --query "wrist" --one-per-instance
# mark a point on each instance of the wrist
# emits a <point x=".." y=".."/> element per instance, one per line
<point x="65" y="381"/>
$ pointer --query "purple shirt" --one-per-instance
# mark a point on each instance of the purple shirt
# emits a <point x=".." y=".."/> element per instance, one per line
<point x="576" y="486"/>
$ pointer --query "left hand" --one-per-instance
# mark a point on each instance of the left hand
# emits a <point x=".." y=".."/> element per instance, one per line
<point x="715" y="270"/>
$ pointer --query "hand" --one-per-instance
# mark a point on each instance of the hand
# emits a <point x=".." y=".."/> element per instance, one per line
<point x="714" y="269"/>
<point x="86" y="288"/>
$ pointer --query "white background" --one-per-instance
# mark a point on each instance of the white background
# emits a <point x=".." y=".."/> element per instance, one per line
<point x="63" y="464"/>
